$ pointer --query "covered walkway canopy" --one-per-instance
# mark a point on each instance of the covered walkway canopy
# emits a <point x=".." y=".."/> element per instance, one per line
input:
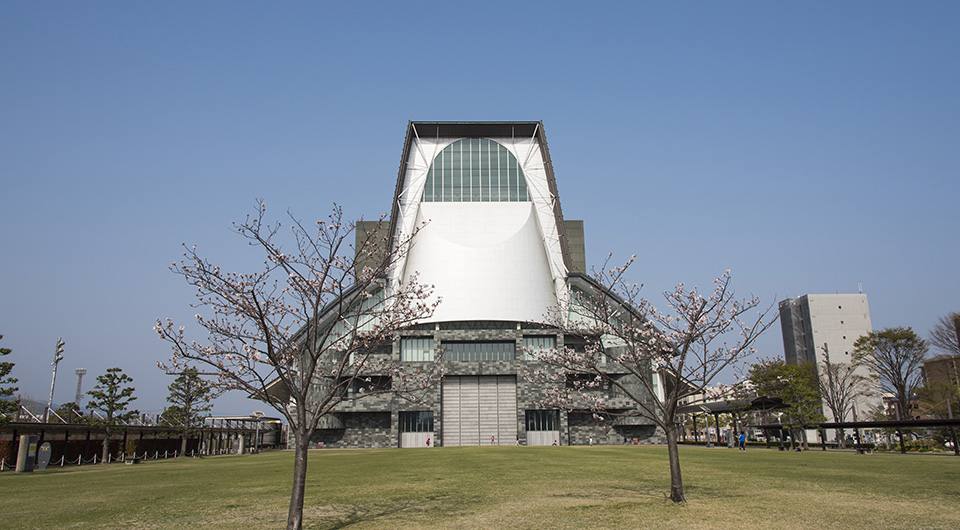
<point x="716" y="408"/>
<point x="898" y="425"/>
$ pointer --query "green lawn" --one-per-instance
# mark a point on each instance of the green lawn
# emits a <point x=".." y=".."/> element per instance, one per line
<point x="498" y="487"/>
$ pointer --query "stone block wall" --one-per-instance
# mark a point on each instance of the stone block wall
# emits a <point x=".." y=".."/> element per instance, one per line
<point x="373" y="421"/>
<point x="583" y="426"/>
<point x="361" y="429"/>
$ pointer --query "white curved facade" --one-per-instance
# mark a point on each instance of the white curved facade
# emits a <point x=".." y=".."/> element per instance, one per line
<point x="486" y="260"/>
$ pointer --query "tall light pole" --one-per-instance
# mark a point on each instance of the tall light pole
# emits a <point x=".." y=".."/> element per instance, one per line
<point x="256" y="441"/>
<point x="57" y="357"/>
<point x="80" y="373"/>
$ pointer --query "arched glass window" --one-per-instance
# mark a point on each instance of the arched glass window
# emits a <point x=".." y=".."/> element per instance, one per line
<point x="475" y="170"/>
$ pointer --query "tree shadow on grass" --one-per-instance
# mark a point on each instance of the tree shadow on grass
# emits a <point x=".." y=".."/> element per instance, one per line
<point x="653" y="493"/>
<point x="348" y="515"/>
<point x="620" y="492"/>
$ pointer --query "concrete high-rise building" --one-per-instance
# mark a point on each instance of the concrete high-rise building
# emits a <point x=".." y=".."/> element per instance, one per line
<point x="813" y="322"/>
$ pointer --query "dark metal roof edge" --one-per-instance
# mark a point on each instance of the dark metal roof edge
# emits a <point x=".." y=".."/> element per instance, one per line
<point x="552" y="186"/>
<point x="482" y="122"/>
<point x="395" y="207"/>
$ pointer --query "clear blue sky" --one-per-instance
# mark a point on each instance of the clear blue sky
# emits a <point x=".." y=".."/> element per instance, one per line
<point x="806" y="146"/>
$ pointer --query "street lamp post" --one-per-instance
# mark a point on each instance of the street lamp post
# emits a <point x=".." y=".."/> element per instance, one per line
<point x="80" y="373"/>
<point x="256" y="441"/>
<point x="57" y="357"/>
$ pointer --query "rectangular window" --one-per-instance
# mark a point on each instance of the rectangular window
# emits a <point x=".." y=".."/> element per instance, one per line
<point x="504" y="170"/>
<point x="418" y="349"/>
<point x="479" y="351"/>
<point x="421" y="421"/>
<point x="487" y="159"/>
<point x="543" y="420"/>
<point x="536" y="344"/>
<point x="504" y="184"/>
<point x="512" y="184"/>
<point x="455" y="186"/>
<point x="361" y="385"/>
<point x="484" y="179"/>
<point x="512" y="170"/>
<point x="579" y="345"/>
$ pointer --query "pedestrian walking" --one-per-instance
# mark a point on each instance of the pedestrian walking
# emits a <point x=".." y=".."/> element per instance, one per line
<point x="742" y="442"/>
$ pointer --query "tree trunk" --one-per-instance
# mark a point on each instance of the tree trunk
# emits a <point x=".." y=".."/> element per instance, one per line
<point x="106" y="445"/>
<point x="295" y="515"/>
<point x="183" y="444"/>
<point x="676" y="480"/>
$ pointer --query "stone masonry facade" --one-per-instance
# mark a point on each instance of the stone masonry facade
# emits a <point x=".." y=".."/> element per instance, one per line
<point x="374" y="420"/>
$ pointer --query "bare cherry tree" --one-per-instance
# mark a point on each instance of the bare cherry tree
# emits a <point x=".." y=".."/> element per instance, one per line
<point x="945" y="334"/>
<point x="651" y="359"/>
<point x="841" y="385"/>
<point x="306" y="329"/>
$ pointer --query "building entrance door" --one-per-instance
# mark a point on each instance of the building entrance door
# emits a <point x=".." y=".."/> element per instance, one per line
<point x="479" y="410"/>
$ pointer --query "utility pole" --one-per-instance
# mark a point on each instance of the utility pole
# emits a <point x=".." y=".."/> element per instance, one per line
<point x="80" y="373"/>
<point x="57" y="357"/>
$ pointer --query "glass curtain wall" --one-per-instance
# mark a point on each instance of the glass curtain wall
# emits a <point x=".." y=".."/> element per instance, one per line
<point x="475" y="170"/>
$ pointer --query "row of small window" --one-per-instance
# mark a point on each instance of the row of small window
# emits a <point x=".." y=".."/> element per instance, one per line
<point x="421" y="349"/>
<point x="479" y="351"/>
<point x="543" y="420"/>
<point x="475" y="170"/>
<point x="421" y="421"/>
<point x="536" y="420"/>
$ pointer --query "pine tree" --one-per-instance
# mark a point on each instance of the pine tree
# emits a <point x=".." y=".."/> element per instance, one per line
<point x="8" y="407"/>
<point x="112" y="398"/>
<point x="190" y="397"/>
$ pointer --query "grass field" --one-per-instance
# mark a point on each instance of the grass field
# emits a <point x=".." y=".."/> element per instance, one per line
<point x="498" y="487"/>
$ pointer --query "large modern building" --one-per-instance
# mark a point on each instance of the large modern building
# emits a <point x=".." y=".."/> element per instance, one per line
<point x="815" y="322"/>
<point x="941" y="375"/>
<point x="480" y="201"/>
